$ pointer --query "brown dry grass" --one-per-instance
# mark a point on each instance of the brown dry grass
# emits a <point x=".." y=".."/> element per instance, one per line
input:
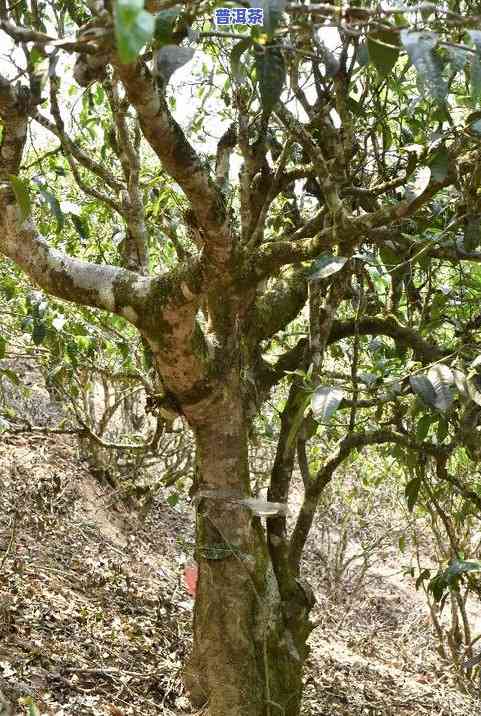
<point x="95" y="620"/>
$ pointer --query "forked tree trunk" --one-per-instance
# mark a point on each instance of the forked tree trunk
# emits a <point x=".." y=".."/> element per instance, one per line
<point x="249" y="645"/>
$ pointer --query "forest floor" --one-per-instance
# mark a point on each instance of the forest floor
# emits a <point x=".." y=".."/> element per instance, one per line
<point x="95" y="617"/>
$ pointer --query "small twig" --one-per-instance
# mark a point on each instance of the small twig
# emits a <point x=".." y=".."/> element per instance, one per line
<point x="11" y="541"/>
<point x="108" y="672"/>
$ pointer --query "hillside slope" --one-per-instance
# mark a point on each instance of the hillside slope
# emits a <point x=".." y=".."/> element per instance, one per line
<point x="95" y="616"/>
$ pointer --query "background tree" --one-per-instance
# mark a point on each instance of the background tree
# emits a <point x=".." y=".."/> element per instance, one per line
<point x="355" y="206"/>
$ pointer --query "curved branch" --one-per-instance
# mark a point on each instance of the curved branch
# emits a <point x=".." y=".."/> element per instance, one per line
<point x="70" y="279"/>
<point x="325" y="474"/>
<point x="296" y="248"/>
<point x="72" y="148"/>
<point x="179" y="158"/>
<point x="268" y="375"/>
<point x="424" y="351"/>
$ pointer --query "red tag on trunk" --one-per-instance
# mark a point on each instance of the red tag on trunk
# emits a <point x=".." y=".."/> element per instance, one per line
<point x="191" y="574"/>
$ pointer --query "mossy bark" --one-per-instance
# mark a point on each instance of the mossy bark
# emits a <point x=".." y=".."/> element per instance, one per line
<point x="249" y="644"/>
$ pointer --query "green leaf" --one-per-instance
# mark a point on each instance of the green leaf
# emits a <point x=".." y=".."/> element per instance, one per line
<point x="439" y="164"/>
<point x="171" y="58"/>
<point x="134" y="28"/>
<point x="418" y="184"/>
<point x="164" y="26"/>
<point x="425" y="574"/>
<point x="442" y="379"/>
<point x="460" y="382"/>
<point x="412" y="491"/>
<point x="10" y="375"/>
<point x="3" y="347"/>
<point x="437" y="587"/>
<point x="235" y="59"/>
<point x="383" y="52"/>
<point x="33" y="710"/>
<point x="422" y="386"/>
<point x="325" y="266"/>
<point x="389" y="257"/>
<point x="81" y="226"/>
<point x="460" y="566"/>
<point x="54" y="205"/>
<point x="422" y="427"/>
<point x="22" y="195"/>
<point x="402" y="543"/>
<point x="421" y="48"/>
<point x="270" y="72"/>
<point x="173" y="499"/>
<point x="325" y="401"/>
<point x="39" y="331"/>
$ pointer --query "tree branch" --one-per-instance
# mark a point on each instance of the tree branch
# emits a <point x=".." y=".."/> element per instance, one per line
<point x="179" y="159"/>
<point x="279" y="304"/>
<point x="325" y="474"/>
<point x="105" y="287"/>
<point x="424" y="351"/>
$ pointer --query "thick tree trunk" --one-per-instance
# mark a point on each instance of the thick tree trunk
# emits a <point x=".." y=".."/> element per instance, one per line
<point x="249" y="645"/>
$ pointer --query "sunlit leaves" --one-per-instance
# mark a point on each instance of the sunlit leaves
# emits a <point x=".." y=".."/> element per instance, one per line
<point x="442" y="379"/>
<point x="171" y="58"/>
<point x="325" y="266"/>
<point x="54" y="205"/>
<point x="325" y="401"/>
<point x="418" y="183"/>
<point x="236" y="56"/>
<point x="439" y="164"/>
<point x="412" y="491"/>
<point x="421" y="48"/>
<point x="383" y="51"/>
<point x="134" y="28"/>
<point x="435" y="388"/>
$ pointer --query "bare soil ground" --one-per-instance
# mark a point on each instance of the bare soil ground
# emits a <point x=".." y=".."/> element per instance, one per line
<point x="95" y="617"/>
